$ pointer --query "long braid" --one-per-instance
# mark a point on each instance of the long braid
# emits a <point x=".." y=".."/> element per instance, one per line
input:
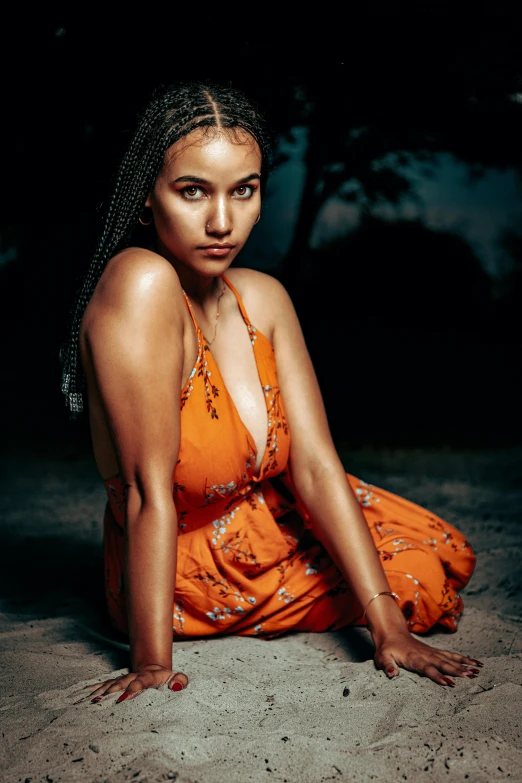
<point x="173" y="112"/>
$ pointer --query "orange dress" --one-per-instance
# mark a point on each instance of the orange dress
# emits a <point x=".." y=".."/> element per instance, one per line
<point x="248" y="562"/>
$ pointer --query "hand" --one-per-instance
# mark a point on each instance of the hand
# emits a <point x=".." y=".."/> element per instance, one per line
<point x="403" y="650"/>
<point x="130" y="685"/>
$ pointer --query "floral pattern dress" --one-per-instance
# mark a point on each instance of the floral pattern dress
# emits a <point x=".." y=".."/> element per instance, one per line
<point x="248" y="562"/>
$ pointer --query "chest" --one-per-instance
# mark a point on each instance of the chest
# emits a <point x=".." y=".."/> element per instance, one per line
<point x="233" y="426"/>
<point x="235" y="364"/>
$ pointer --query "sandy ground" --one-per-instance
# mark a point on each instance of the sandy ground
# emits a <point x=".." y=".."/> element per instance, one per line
<point x="302" y="708"/>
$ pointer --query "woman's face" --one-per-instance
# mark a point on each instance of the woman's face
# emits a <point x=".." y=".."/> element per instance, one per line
<point x="206" y="199"/>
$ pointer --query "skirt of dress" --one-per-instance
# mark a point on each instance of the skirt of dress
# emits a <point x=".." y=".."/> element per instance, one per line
<point x="426" y="561"/>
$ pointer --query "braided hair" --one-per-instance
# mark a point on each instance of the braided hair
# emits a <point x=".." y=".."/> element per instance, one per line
<point x="173" y="112"/>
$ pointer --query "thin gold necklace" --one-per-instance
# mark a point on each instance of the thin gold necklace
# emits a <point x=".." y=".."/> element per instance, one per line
<point x="209" y="342"/>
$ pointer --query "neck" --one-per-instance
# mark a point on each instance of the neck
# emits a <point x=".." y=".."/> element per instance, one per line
<point x="199" y="288"/>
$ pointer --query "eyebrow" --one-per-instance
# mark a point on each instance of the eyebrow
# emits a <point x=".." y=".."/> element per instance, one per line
<point x="201" y="181"/>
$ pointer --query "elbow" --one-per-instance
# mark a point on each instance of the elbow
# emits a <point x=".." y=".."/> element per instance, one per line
<point x="315" y="472"/>
<point x="144" y="501"/>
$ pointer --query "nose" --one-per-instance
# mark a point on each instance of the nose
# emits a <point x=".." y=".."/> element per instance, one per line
<point x="219" y="220"/>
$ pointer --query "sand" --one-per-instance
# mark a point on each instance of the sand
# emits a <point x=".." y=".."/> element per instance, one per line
<point x="301" y="708"/>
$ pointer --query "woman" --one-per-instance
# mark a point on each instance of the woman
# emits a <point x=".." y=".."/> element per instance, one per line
<point x="229" y="510"/>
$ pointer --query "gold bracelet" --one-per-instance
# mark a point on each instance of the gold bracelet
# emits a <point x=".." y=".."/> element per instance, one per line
<point x="384" y="592"/>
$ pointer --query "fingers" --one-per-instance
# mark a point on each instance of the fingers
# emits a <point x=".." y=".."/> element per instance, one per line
<point x="93" y="686"/>
<point x="178" y="681"/>
<point x="132" y="691"/>
<point x="98" y="689"/>
<point x="456" y="665"/>
<point x="388" y="664"/>
<point x="464" y="660"/>
<point x="436" y="675"/>
<point x="438" y="664"/>
<point x="129" y="686"/>
<point x="438" y="667"/>
<point x="456" y="669"/>
<point x="85" y="691"/>
<point x="117" y="684"/>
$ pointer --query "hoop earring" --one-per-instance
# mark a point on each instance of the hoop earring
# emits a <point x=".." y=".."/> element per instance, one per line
<point x="145" y="223"/>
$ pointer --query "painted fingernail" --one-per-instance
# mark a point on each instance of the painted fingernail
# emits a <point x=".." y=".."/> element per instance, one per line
<point x="177" y="686"/>
<point x="390" y="671"/>
<point x="448" y="681"/>
<point x="477" y="663"/>
<point x="98" y="698"/>
<point x="472" y="676"/>
<point x="122" y="697"/>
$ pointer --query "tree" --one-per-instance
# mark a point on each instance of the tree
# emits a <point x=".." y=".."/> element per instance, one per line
<point x="459" y="91"/>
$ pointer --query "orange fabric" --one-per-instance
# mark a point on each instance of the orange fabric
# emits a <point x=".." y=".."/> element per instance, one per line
<point x="248" y="562"/>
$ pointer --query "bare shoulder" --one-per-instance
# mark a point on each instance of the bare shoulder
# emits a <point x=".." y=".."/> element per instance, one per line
<point x="138" y="272"/>
<point x="254" y="284"/>
<point x="264" y="297"/>
<point x="135" y="284"/>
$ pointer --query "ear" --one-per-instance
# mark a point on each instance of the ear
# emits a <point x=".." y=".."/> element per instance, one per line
<point x="257" y="219"/>
<point x="147" y="203"/>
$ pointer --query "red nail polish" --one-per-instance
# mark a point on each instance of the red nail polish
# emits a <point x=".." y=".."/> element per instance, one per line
<point x="472" y="676"/>
<point x="177" y="686"/>
<point x="97" y="698"/>
<point x="477" y="663"/>
<point x="448" y="681"/>
<point x="390" y="671"/>
<point x="122" y="697"/>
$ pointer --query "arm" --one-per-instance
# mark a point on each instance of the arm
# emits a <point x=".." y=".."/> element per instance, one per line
<point x="338" y="522"/>
<point x="134" y="338"/>
<point x="320" y="478"/>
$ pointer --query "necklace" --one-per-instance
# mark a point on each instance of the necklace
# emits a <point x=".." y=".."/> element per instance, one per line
<point x="209" y="342"/>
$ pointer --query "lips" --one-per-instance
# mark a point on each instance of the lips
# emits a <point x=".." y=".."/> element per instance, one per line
<point x="218" y="246"/>
<point x="217" y="249"/>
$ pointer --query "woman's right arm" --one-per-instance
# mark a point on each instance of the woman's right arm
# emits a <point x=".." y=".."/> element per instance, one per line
<point x="133" y="337"/>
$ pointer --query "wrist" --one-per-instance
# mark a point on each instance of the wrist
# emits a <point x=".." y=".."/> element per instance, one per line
<point x="385" y="633"/>
<point x="385" y="619"/>
<point x="150" y="648"/>
<point x="143" y="665"/>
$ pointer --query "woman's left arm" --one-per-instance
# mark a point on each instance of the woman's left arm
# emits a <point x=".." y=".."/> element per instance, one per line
<point x="338" y="522"/>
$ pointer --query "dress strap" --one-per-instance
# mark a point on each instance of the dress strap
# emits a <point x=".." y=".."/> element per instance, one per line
<point x="239" y="301"/>
<point x="199" y="333"/>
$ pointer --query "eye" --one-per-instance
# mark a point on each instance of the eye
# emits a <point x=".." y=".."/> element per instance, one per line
<point x="191" y="192"/>
<point x="244" y="191"/>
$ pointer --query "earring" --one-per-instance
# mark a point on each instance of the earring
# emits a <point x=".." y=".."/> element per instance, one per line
<point x="144" y="222"/>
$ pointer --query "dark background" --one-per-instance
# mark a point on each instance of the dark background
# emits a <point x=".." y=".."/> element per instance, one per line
<point x="415" y="344"/>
